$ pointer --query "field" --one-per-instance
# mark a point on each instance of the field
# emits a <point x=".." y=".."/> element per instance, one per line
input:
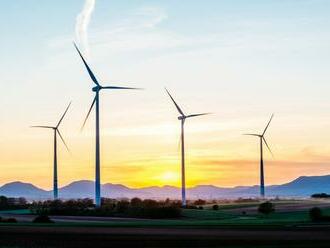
<point x="233" y="225"/>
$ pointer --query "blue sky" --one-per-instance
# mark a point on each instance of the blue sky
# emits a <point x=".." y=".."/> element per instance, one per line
<point x="241" y="60"/>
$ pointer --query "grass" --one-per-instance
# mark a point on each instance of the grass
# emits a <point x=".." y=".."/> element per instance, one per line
<point x="16" y="211"/>
<point x="198" y="218"/>
<point x="222" y="219"/>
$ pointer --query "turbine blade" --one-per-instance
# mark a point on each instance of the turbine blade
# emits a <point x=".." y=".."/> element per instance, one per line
<point x="86" y="65"/>
<point x="66" y="110"/>
<point x="194" y="115"/>
<point x="176" y="105"/>
<point x="120" y="88"/>
<point x="268" y="124"/>
<point x="268" y="146"/>
<point x="252" y="134"/>
<point x="43" y="127"/>
<point x="59" y="133"/>
<point x="89" y="111"/>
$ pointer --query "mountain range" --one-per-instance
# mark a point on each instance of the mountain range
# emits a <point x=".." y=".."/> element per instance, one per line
<point x="301" y="187"/>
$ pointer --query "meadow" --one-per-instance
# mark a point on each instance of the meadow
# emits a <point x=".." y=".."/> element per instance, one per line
<point x="232" y="225"/>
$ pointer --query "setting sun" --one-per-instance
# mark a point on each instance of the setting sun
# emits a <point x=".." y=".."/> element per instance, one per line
<point x="169" y="177"/>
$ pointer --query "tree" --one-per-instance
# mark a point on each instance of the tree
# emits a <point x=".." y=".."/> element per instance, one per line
<point x="136" y="202"/>
<point x="315" y="214"/>
<point x="200" y="202"/>
<point x="215" y="207"/>
<point x="3" y="202"/>
<point x="42" y="219"/>
<point x="266" y="208"/>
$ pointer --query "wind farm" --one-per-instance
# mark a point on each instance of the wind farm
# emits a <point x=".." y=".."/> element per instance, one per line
<point x="143" y="71"/>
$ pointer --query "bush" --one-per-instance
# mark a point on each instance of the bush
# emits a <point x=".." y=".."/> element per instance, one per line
<point x="266" y="208"/>
<point x="121" y="208"/>
<point x="42" y="219"/>
<point x="320" y="195"/>
<point x="136" y="202"/>
<point x="9" y="220"/>
<point x="315" y="214"/>
<point x="191" y="207"/>
<point x="199" y="202"/>
<point x="215" y="207"/>
<point x="12" y="203"/>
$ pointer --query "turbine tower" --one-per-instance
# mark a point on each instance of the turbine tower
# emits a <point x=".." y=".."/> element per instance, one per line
<point x="97" y="88"/>
<point x="56" y="132"/>
<point x="183" y="118"/>
<point x="262" y="140"/>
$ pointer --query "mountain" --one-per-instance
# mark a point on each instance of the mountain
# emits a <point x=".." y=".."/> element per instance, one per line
<point x="303" y="186"/>
<point x="27" y="190"/>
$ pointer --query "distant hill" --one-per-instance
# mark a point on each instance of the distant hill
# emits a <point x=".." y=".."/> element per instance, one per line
<point x="27" y="190"/>
<point x="303" y="186"/>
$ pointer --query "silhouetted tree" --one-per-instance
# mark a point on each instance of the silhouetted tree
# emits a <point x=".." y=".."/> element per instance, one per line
<point x="200" y="202"/>
<point x="266" y="208"/>
<point x="215" y="207"/>
<point x="136" y="202"/>
<point x="315" y="214"/>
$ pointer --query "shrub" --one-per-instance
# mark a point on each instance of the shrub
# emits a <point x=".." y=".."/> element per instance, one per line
<point x="266" y="208"/>
<point x="12" y="203"/>
<point x="320" y="195"/>
<point x="200" y="202"/>
<point x="122" y="206"/>
<point x="315" y="214"/>
<point x="110" y="207"/>
<point x="136" y="202"/>
<point x="215" y="207"/>
<point x="191" y="207"/>
<point x="42" y="219"/>
<point x="9" y="220"/>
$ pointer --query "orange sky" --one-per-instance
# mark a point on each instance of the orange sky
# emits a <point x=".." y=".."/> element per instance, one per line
<point x="240" y="65"/>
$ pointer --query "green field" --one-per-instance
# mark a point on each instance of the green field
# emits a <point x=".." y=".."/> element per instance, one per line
<point x="290" y="226"/>
<point x="228" y="215"/>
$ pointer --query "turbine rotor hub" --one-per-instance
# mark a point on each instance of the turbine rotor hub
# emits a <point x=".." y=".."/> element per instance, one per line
<point x="96" y="88"/>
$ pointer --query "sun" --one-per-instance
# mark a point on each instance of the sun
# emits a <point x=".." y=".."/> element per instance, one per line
<point x="169" y="177"/>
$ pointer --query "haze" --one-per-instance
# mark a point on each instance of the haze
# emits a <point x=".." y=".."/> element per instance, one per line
<point x="241" y="61"/>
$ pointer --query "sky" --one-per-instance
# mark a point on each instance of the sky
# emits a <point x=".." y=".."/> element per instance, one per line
<point x="241" y="60"/>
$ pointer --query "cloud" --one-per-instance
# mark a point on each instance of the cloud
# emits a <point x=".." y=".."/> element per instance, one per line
<point x="82" y="22"/>
<point x="140" y="30"/>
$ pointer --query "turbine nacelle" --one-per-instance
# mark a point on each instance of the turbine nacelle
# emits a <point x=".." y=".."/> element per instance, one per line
<point x="182" y="117"/>
<point x="97" y="88"/>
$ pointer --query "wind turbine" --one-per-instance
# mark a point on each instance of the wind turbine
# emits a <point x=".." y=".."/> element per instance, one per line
<point x="262" y="140"/>
<point x="183" y="118"/>
<point x="56" y="132"/>
<point x="97" y="88"/>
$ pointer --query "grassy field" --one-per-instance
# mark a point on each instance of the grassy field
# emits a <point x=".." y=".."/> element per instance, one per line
<point x="226" y="227"/>
<point x="227" y="215"/>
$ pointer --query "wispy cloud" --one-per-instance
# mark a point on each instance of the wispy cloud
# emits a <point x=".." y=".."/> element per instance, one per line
<point x="82" y="22"/>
